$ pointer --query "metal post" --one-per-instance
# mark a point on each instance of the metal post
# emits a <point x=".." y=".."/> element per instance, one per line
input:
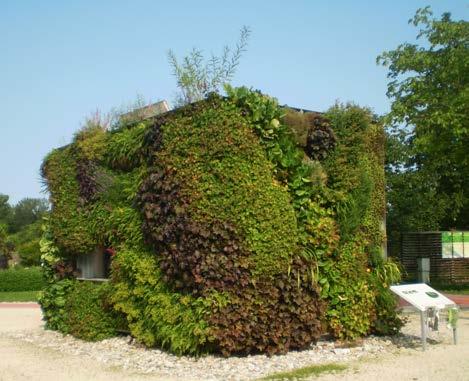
<point x="423" y="327"/>
<point x="455" y="336"/>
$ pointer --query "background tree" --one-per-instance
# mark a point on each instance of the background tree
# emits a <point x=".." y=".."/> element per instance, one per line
<point x="5" y="209"/>
<point x="26" y="212"/>
<point x="197" y="76"/>
<point x="20" y="229"/>
<point x="428" y="133"/>
<point x="6" y="247"/>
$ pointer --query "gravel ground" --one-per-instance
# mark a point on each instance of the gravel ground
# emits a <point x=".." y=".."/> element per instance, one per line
<point x="442" y="361"/>
<point x="121" y="358"/>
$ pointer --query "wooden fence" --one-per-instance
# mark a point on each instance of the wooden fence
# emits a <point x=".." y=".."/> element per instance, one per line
<point x="429" y="245"/>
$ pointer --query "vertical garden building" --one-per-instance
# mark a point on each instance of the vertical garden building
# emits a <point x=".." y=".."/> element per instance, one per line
<point x="229" y="225"/>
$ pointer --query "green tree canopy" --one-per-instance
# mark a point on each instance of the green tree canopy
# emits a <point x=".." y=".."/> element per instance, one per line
<point x="5" y="208"/>
<point x="427" y="156"/>
<point x="26" y="212"/>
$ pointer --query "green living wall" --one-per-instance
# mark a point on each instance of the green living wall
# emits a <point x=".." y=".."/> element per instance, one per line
<point x="235" y="226"/>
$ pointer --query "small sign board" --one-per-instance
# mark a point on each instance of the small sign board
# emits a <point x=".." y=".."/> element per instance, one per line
<point x="422" y="296"/>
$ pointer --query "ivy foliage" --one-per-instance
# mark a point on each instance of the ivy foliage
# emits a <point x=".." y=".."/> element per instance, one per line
<point x="238" y="227"/>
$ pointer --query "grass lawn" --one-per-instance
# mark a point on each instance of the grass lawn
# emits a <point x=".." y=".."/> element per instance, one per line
<point x="306" y="372"/>
<point x="19" y="296"/>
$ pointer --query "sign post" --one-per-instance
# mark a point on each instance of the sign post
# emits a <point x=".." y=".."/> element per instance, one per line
<point x="423" y="297"/>
<point x="423" y="329"/>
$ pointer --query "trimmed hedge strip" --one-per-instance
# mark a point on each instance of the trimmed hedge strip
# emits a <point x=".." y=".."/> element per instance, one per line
<point x="21" y="279"/>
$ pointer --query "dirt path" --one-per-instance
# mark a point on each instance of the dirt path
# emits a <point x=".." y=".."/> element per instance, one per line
<point x="441" y="362"/>
<point x="24" y="361"/>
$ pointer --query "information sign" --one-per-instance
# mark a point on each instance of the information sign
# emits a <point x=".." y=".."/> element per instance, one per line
<point x="422" y="296"/>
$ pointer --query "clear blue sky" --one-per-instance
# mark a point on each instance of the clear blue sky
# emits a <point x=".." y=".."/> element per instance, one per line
<point x="61" y="60"/>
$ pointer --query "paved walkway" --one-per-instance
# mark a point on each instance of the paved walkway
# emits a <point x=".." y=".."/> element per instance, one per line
<point x="19" y="305"/>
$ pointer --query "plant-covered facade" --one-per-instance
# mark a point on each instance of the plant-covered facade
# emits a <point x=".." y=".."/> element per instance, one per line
<point x="229" y="225"/>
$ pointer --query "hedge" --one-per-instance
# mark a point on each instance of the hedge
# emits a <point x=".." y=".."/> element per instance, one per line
<point x="21" y="279"/>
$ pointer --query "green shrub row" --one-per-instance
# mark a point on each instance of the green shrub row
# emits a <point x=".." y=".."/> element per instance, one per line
<point x="21" y="279"/>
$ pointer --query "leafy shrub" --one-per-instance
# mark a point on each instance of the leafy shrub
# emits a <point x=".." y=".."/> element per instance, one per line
<point x="312" y="132"/>
<point x="321" y="138"/>
<point x="195" y="255"/>
<point x="57" y="274"/>
<point x="53" y="300"/>
<point x="26" y="244"/>
<point x="68" y="221"/>
<point x="21" y="279"/>
<point x="124" y="147"/>
<point x="286" y="313"/>
<point x="350" y="298"/>
<point x="231" y="229"/>
<point x="341" y="217"/>
<point x="385" y="273"/>
<point x="29" y="253"/>
<point x="155" y="314"/>
<point x="299" y="124"/>
<point x="89" y="313"/>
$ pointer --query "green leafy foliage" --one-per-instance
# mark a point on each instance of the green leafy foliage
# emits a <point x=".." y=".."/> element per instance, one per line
<point x="20" y="230"/>
<point x="69" y="220"/>
<point x="89" y="313"/>
<point x="57" y="274"/>
<point x="6" y="246"/>
<point x="384" y="274"/>
<point x="82" y="309"/>
<point x="5" y="209"/>
<point x="53" y="300"/>
<point x="344" y="284"/>
<point x="231" y="228"/>
<point x="124" y="147"/>
<point x="155" y="314"/>
<point x="26" y="243"/>
<point x="287" y="315"/>
<point x="195" y="255"/>
<point x="26" y="212"/>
